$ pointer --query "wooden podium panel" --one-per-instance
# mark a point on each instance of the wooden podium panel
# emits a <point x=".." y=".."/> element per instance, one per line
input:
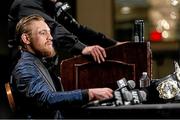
<point x="139" y="54"/>
<point x="127" y="60"/>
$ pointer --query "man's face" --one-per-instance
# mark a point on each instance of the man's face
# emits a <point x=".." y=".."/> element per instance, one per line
<point x="41" y="39"/>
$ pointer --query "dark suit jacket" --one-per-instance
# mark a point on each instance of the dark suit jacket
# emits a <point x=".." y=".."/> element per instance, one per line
<point x="35" y="91"/>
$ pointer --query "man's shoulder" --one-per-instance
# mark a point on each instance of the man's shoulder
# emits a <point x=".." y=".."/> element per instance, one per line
<point x="24" y="64"/>
<point x="26" y="60"/>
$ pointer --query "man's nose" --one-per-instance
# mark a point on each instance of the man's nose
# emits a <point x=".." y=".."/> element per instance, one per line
<point x="50" y="36"/>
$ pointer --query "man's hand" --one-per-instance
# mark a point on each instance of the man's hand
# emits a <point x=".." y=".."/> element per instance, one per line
<point x="98" y="53"/>
<point x="100" y="93"/>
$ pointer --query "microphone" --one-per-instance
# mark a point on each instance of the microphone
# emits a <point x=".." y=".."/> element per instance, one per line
<point x="143" y="95"/>
<point x="60" y="7"/>
<point x="118" y="98"/>
<point x="138" y="96"/>
<point x="131" y="84"/>
<point x="127" y="97"/>
<point x="61" y="13"/>
<point x="123" y="84"/>
<point x="124" y="88"/>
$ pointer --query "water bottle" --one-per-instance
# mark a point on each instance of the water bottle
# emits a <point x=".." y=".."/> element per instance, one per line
<point x="144" y="80"/>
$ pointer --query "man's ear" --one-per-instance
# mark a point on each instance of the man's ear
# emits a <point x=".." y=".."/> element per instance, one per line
<point x="25" y="38"/>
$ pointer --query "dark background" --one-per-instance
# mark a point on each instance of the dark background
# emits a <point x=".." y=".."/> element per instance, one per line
<point x="4" y="60"/>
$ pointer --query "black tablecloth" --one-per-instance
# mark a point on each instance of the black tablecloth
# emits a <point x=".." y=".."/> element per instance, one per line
<point x="168" y="110"/>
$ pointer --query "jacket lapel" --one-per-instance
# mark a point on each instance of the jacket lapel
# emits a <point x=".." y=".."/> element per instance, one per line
<point x="45" y="74"/>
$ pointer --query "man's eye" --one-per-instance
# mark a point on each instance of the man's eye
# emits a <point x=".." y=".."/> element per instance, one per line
<point x="42" y="33"/>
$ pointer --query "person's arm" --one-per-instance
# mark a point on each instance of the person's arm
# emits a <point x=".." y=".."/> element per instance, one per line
<point x="32" y="84"/>
<point x="84" y="33"/>
<point x="65" y="41"/>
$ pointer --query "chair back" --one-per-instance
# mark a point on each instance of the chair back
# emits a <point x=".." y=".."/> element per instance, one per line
<point x="10" y="96"/>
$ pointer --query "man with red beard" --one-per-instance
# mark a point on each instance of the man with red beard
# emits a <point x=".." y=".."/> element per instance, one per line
<point x="36" y="94"/>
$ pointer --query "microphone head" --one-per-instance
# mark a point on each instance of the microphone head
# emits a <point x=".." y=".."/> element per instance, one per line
<point x="143" y="95"/>
<point x="64" y="6"/>
<point x="58" y="4"/>
<point x="131" y="84"/>
<point x="54" y="1"/>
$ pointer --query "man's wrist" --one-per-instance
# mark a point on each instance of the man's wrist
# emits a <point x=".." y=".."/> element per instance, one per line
<point x="79" y="46"/>
<point x="85" y="94"/>
<point x="91" y="95"/>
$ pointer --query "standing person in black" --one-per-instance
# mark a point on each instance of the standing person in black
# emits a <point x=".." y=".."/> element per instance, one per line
<point x="69" y="38"/>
